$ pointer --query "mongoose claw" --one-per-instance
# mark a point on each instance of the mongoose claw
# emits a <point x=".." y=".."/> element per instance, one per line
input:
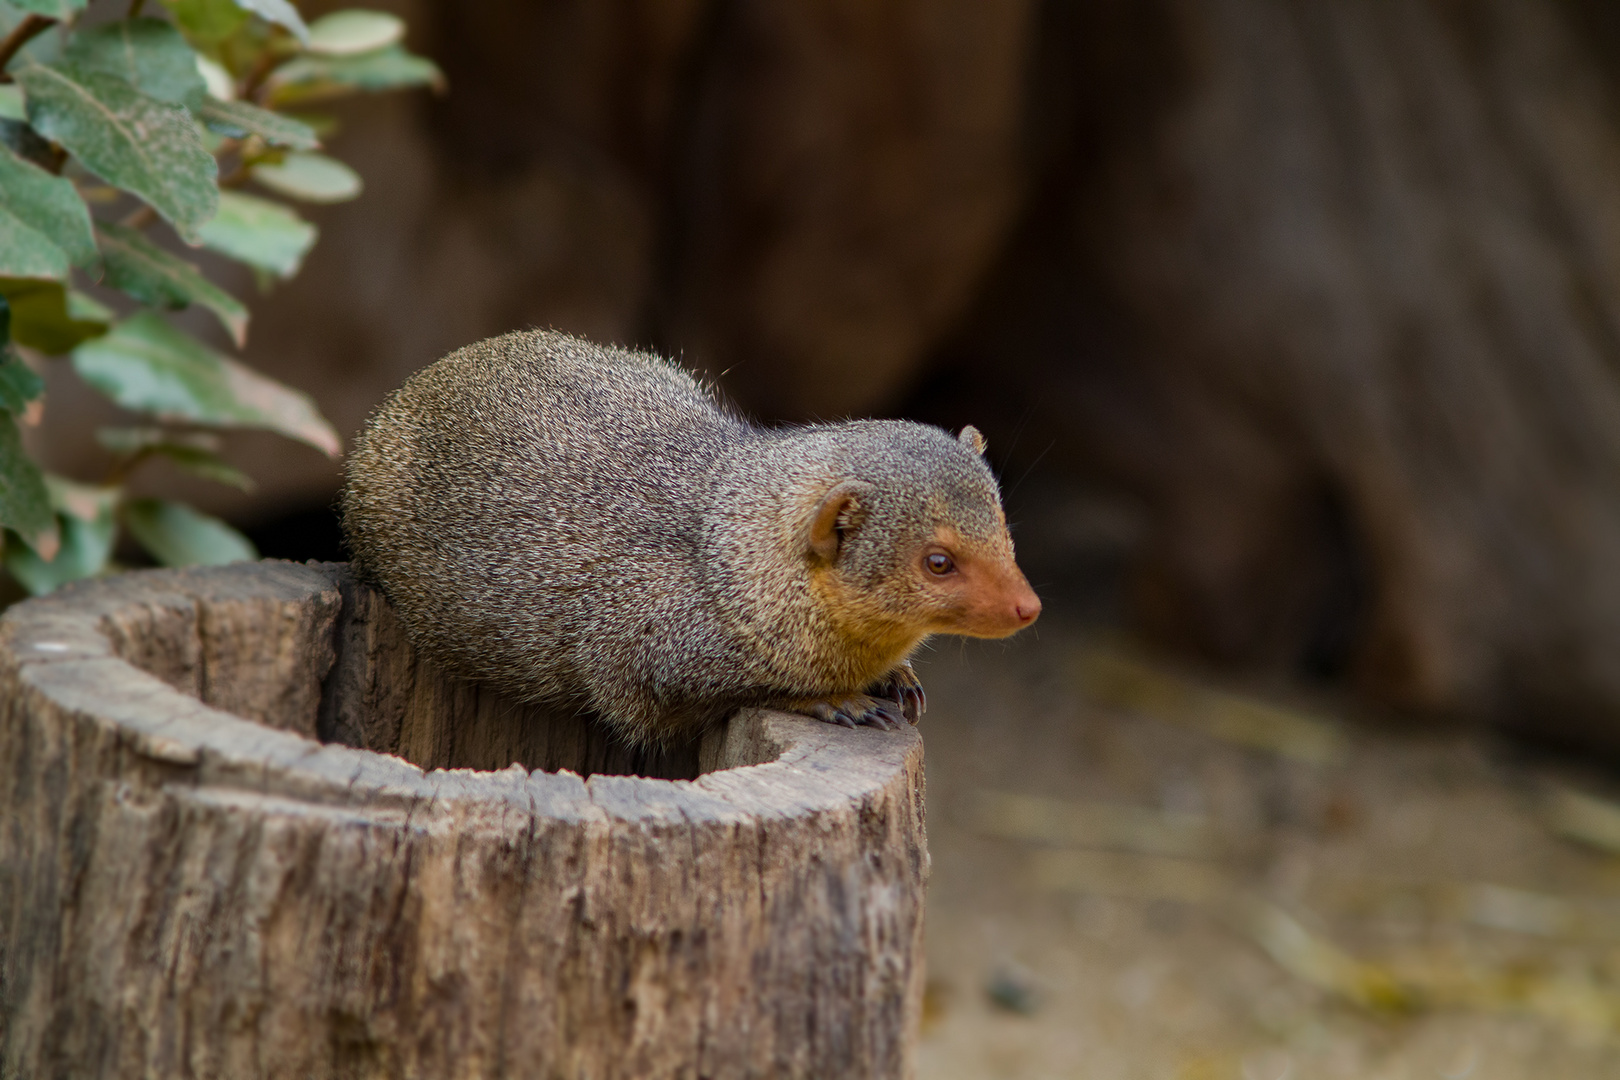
<point x="886" y="715"/>
<point x="853" y="711"/>
<point x="902" y="687"/>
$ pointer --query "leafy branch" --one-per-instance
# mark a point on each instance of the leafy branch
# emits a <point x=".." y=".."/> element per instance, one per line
<point x="21" y="34"/>
<point x="115" y="141"/>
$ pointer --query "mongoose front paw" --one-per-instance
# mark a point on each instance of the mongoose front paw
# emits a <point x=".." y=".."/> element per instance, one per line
<point x="852" y="711"/>
<point x="902" y="687"/>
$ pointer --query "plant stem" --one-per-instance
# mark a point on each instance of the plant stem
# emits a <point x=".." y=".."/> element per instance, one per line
<point x="124" y="465"/>
<point x="253" y="81"/>
<point x="20" y="35"/>
<point x="235" y="178"/>
<point x="237" y="174"/>
<point x="139" y="219"/>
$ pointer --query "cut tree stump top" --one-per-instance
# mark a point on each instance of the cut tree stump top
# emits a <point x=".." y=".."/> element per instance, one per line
<point x="245" y="832"/>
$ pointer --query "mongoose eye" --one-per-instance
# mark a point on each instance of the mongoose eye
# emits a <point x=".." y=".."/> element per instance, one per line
<point x="939" y="564"/>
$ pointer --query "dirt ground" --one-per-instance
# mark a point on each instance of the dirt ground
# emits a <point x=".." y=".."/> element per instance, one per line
<point x="1138" y="873"/>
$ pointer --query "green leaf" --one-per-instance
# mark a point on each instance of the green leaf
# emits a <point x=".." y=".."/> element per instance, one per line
<point x="195" y="452"/>
<point x="238" y="119"/>
<point x="82" y="551"/>
<point x="18" y="383"/>
<point x="312" y="178"/>
<point x="129" y="139"/>
<point x="48" y="317"/>
<point x="130" y="440"/>
<point x="50" y="205"/>
<point x="154" y="276"/>
<point x="24" y="504"/>
<point x="88" y="308"/>
<point x="208" y="465"/>
<point x="148" y="366"/>
<point x="149" y="54"/>
<point x="212" y="140"/>
<point x="347" y="33"/>
<point x="260" y="233"/>
<point x="11" y="103"/>
<point x="207" y="22"/>
<point x="90" y="503"/>
<point x="279" y="12"/>
<point x="221" y="85"/>
<point x="177" y="535"/>
<point x="88" y="526"/>
<point x="26" y="252"/>
<point x="305" y="77"/>
<point x="324" y="125"/>
<point x="54" y="9"/>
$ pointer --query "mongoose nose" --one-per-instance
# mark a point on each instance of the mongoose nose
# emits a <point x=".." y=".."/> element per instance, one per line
<point x="1027" y="608"/>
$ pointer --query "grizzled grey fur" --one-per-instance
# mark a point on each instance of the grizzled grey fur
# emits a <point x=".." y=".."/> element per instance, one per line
<point x="577" y="523"/>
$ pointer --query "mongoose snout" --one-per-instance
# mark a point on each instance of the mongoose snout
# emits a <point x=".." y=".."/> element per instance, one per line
<point x="994" y="599"/>
<point x="1003" y="608"/>
<point x="582" y="524"/>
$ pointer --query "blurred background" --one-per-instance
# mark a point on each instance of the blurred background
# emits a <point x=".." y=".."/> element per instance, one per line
<point x="1294" y="326"/>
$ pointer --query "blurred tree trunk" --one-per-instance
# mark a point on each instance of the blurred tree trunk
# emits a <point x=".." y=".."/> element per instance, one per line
<point x="847" y="173"/>
<point x="1331" y="287"/>
<point x="1334" y="287"/>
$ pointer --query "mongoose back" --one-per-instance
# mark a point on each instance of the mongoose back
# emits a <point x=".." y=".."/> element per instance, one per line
<point x="580" y="524"/>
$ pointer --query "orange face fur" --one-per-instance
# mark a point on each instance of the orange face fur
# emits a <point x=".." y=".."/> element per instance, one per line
<point x="949" y="582"/>
<point x="976" y="588"/>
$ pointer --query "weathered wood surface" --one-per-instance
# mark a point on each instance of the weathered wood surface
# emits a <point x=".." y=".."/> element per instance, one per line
<point x="191" y="884"/>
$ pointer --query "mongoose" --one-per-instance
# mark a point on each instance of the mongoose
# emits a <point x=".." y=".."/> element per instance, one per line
<point x="583" y="524"/>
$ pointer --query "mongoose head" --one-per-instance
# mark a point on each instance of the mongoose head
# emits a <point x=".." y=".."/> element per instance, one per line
<point x="912" y="540"/>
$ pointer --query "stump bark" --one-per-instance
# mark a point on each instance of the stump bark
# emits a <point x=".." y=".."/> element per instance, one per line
<point x="198" y="878"/>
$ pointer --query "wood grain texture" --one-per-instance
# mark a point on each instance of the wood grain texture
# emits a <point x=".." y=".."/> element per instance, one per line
<point x="193" y="885"/>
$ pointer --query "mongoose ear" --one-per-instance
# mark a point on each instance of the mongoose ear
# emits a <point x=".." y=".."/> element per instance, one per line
<point x="971" y="439"/>
<point x="840" y="510"/>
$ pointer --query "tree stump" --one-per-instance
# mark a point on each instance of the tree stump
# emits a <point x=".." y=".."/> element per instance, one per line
<point x="198" y="878"/>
